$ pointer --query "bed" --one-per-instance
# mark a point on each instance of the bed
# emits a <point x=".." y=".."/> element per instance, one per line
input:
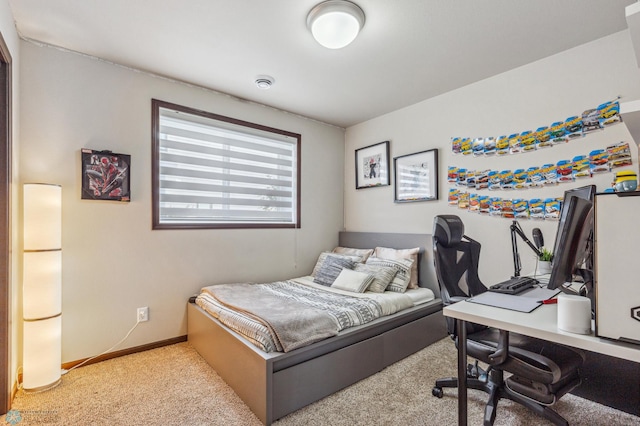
<point x="274" y="384"/>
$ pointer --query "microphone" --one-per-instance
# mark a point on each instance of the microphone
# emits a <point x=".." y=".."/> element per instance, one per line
<point x="537" y="237"/>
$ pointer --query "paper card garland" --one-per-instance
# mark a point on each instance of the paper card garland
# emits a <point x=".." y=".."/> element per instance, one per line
<point x="558" y="132"/>
<point x="580" y="167"/>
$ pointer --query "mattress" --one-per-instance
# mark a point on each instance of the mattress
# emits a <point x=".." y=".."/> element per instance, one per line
<point x="262" y="335"/>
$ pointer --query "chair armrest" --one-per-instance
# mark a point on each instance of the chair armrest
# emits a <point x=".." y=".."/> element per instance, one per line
<point x="502" y="351"/>
<point x="456" y="299"/>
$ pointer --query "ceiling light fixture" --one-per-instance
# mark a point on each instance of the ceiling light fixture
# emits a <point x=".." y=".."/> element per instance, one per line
<point x="335" y="23"/>
<point x="264" y="82"/>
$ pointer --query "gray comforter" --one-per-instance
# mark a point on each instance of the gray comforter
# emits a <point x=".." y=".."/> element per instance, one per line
<point x="295" y="315"/>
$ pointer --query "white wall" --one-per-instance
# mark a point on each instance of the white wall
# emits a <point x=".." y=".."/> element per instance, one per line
<point x="526" y="98"/>
<point x="112" y="261"/>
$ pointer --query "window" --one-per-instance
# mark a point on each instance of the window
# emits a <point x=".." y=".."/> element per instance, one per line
<point x="211" y="171"/>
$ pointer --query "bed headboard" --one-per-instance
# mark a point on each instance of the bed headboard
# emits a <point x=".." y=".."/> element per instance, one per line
<point x="366" y="240"/>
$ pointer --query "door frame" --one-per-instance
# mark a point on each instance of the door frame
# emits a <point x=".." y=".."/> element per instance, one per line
<point x="5" y="224"/>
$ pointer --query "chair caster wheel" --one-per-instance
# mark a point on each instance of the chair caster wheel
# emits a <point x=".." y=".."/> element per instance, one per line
<point x="437" y="392"/>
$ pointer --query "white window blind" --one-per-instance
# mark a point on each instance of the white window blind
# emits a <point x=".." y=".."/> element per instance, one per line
<point x="218" y="173"/>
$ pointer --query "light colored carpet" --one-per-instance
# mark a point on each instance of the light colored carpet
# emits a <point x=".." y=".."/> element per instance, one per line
<point x="173" y="385"/>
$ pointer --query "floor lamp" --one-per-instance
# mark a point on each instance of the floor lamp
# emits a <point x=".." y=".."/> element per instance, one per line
<point x="42" y="286"/>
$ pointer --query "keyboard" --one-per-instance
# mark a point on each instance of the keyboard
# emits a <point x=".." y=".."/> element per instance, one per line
<point x="514" y="285"/>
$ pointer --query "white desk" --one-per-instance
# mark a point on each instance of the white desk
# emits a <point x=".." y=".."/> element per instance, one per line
<point x="541" y="323"/>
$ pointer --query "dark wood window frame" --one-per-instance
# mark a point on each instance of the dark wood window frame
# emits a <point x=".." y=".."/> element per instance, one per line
<point x="156" y="105"/>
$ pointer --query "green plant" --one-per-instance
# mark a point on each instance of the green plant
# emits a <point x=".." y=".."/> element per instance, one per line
<point x="546" y="255"/>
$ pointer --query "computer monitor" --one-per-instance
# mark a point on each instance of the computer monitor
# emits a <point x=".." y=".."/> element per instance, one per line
<point x="588" y="193"/>
<point x="573" y="238"/>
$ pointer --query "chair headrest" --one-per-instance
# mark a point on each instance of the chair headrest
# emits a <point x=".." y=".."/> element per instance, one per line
<point x="448" y="230"/>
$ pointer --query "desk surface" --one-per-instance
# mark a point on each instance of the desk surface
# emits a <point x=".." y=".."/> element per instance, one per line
<point x="542" y="324"/>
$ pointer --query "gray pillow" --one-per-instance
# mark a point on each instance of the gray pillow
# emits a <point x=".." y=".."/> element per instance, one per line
<point x="331" y="268"/>
<point x="400" y="281"/>
<point x="383" y="275"/>
<point x="323" y="257"/>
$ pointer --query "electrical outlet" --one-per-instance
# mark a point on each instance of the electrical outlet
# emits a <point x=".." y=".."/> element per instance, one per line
<point x="143" y="314"/>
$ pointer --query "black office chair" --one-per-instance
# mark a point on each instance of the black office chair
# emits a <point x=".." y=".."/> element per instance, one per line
<point x="541" y="372"/>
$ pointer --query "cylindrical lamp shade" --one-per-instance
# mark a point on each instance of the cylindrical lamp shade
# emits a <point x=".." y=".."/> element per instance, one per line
<point x="42" y="216"/>
<point x="42" y="354"/>
<point x="42" y="286"/>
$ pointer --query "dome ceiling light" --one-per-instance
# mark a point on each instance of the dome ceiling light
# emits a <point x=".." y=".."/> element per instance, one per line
<point x="335" y="23"/>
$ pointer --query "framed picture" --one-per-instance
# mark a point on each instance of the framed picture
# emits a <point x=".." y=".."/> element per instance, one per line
<point x="105" y="175"/>
<point x="372" y="165"/>
<point x="416" y="176"/>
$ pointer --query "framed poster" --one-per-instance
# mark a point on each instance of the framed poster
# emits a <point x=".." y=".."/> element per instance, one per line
<point x="372" y="165"/>
<point x="105" y="175"/>
<point x="416" y="176"/>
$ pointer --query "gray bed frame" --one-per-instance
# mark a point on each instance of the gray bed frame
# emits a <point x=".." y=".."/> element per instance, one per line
<point x="276" y="384"/>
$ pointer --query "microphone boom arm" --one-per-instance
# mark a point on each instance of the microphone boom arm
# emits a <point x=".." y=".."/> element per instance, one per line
<point x="517" y="230"/>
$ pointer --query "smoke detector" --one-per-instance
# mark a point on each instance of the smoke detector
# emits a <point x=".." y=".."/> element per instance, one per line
<point x="264" y="82"/>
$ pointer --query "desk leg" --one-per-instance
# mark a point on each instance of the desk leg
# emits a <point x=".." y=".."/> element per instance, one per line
<point x="462" y="372"/>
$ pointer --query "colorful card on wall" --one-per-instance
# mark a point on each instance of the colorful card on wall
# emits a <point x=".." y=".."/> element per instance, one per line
<point x="456" y="145"/>
<point x="485" y="204"/>
<point x="466" y="146"/>
<point x="507" y="209"/>
<point x="536" y="208"/>
<point x="520" y="179"/>
<point x="543" y="137"/>
<point x="609" y="113"/>
<point x="463" y="200"/>
<point x="599" y="161"/>
<point x="489" y="146"/>
<point x="535" y="177"/>
<point x="564" y="171"/>
<point x="591" y="120"/>
<point x="580" y="167"/>
<point x="495" y="206"/>
<point x="573" y="127"/>
<point x="482" y="179"/>
<point x="550" y="174"/>
<point x="474" y="203"/>
<point x="478" y="147"/>
<point x="528" y="141"/>
<point x="619" y="155"/>
<point x="558" y="133"/>
<point x="454" y="194"/>
<point x="502" y="145"/>
<point x="552" y="208"/>
<point x="514" y="143"/>
<point x="494" y="180"/>
<point x="521" y="208"/>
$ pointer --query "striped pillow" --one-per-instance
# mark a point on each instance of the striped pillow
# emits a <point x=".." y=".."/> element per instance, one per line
<point x="323" y="257"/>
<point x="348" y="251"/>
<point x="402" y="267"/>
<point x="412" y="254"/>
<point x="331" y="268"/>
<point x="382" y="275"/>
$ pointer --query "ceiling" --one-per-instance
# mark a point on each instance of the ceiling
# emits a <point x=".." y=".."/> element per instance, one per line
<point x="408" y="50"/>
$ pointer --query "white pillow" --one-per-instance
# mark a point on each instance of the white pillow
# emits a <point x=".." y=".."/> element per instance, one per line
<point x="354" y="281"/>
